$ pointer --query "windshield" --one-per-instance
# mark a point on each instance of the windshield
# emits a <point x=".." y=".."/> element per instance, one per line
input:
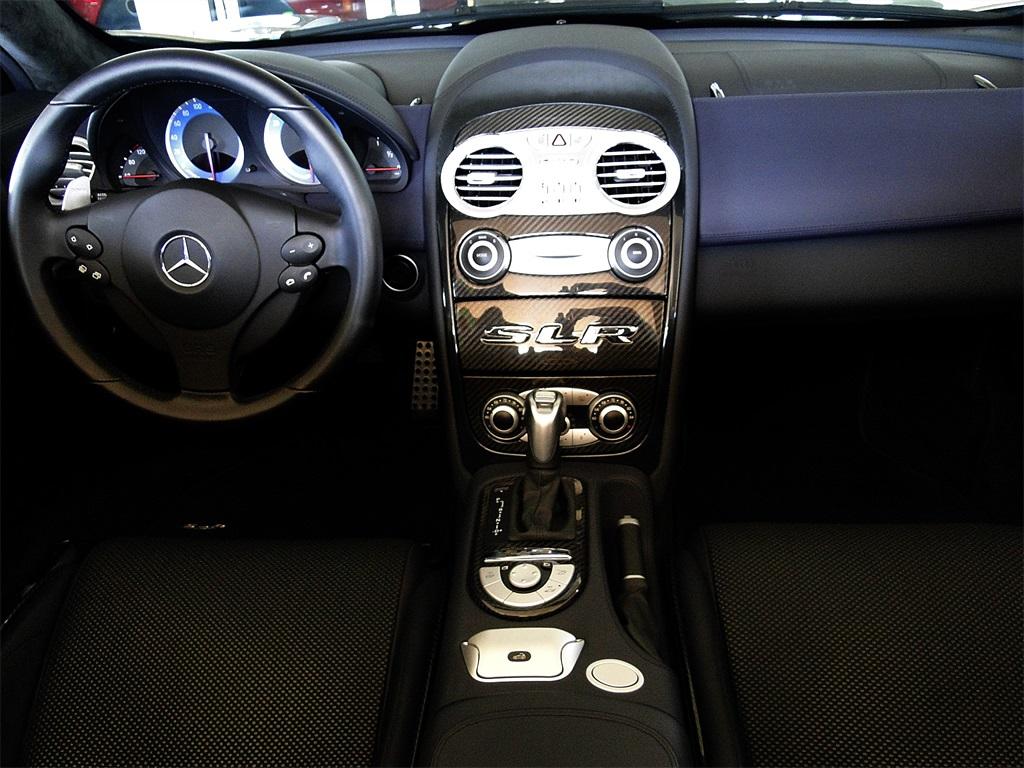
<point x="242" y="20"/>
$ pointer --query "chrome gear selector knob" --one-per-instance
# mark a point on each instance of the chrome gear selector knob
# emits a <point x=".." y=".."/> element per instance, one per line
<point x="545" y="419"/>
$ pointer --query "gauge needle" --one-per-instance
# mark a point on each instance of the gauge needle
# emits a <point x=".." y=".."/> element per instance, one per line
<point x="208" y="145"/>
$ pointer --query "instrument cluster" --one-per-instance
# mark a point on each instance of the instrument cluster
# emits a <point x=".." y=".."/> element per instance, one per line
<point x="178" y="132"/>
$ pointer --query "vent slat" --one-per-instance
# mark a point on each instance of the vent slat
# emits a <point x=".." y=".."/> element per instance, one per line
<point x="628" y="152"/>
<point x="632" y="163"/>
<point x="613" y="174"/>
<point x="631" y="174"/>
<point x="487" y="167"/>
<point x="622" y="184"/>
<point x="627" y="196"/>
<point x="488" y="177"/>
<point x="499" y="177"/>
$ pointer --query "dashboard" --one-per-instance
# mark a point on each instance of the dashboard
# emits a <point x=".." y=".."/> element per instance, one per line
<point x="186" y="131"/>
<point x="559" y="231"/>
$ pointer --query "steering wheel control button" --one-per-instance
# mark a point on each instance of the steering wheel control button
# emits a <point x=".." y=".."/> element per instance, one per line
<point x="295" y="279"/>
<point x="303" y="249"/>
<point x="635" y="253"/>
<point x="524" y="576"/>
<point x="92" y="272"/>
<point x="612" y="417"/>
<point x="484" y="256"/>
<point x="615" y="676"/>
<point x="83" y="243"/>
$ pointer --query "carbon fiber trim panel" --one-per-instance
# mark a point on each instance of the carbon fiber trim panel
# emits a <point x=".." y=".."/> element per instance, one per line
<point x="563" y="113"/>
<point x="640" y="389"/>
<point x="566" y="335"/>
<point x="530" y="285"/>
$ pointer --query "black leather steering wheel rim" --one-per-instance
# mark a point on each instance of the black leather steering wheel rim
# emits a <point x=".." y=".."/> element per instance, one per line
<point x="354" y="242"/>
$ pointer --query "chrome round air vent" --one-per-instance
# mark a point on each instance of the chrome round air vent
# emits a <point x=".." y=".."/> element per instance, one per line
<point x="631" y="174"/>
<point x="488" y="177"/>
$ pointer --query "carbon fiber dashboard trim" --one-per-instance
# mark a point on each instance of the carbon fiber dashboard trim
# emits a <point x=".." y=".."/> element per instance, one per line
<point x="606" y="224"/>
<point x="546" y="335"/>
<point x="642" y="390"/>
<point x="561" y="113"/>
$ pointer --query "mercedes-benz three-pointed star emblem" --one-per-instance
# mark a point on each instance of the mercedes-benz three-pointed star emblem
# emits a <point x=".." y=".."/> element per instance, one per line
<point x="185" y="260"/>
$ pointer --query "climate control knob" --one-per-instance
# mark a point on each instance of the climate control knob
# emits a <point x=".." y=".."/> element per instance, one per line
<point x="484" y="256"/>
<point x="635" y="253"/>
<point x="612" y="417"/>
<point x="503" y="417"/>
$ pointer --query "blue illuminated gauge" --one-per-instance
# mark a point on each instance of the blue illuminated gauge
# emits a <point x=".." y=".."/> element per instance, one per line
<point x="202" y="144"/>
<point x="286" y="151"/>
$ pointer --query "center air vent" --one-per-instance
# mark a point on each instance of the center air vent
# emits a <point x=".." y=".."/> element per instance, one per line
<point x="488" y="177"/>
<point x="631" y="174"/>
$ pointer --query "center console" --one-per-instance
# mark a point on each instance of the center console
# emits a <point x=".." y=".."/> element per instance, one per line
<point x="559" y="262"/>
<point x="563" y="206"/>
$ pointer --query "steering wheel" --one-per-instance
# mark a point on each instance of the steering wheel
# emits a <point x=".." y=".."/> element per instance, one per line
<point x="198" y="259"/>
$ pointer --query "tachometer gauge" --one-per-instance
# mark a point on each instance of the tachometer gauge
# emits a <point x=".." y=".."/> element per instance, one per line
<point x="137" y="168"/>
<point x="285" y="149"/>
<point x="202" y="144"/>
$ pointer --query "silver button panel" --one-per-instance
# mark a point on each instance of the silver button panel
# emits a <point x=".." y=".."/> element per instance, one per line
<point x="496" y="581"/>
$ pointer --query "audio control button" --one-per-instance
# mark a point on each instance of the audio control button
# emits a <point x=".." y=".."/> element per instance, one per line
<point x="524" y="600"/>
<point x="552" y="588"/>
<point x="524" y="576"/>
<point x="635" y="253"/>
<point x="489" y="575"/>
<point x="562" y="573"/>
<point x="484" y="256"/>
<point x="497" y="591"/>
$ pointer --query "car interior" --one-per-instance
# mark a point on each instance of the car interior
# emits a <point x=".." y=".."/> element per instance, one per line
<point x="493" y="383"/>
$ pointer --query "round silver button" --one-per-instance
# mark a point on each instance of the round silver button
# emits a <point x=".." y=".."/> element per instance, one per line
<point x="615" y="676"/>
<point x="524" y="576"/>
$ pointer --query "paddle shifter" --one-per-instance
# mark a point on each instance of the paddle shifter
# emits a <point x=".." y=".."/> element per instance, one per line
<point x="531" y="538"/>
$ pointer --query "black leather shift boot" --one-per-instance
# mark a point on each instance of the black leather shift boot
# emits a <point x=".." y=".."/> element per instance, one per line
<point x="543" y="507"/>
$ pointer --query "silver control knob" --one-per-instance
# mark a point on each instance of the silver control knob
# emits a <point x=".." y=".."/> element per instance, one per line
<point x="484" y="256"/>
<point x="635" y="253"/>
<point x="612" y="417"/>
<point x="503" y="417"/>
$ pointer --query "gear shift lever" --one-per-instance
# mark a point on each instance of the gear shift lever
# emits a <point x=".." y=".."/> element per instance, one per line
<point x="544" y="503"/>
<point x="545" y="416"/>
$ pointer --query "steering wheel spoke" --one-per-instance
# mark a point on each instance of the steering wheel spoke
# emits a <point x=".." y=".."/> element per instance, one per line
<point x="202" y="359"/>
<point x="209" y="265"/>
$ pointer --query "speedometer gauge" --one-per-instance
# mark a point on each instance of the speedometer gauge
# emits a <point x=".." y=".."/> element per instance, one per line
<point x="285" y="149"/>
<point x="202" y="144"/>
